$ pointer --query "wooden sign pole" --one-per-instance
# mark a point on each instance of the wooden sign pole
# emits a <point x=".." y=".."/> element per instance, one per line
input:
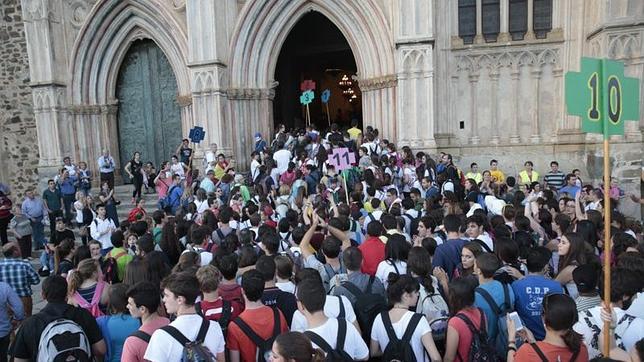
<point x="328" y="116"/>
<point x="607" y="243"/>
<point x="308" y="116"/>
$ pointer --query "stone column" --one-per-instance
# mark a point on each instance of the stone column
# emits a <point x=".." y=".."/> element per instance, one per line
<point x="515" y="137"/>
<point x="504" y="34"/>
<point x="478" y="39"/>
<point x="530" y="33"/>
<point x="494" y="77"/>
<point x="536" y="80"/>
<point x="474" y="137"/>
<point x="49" y="103"/>
<point x="379" y="104"/>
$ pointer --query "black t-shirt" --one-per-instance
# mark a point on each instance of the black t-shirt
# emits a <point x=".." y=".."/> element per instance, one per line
<point x="285" y="301"/>
<point x="135" y="168"/>
<point x="185" y="155"/>
<point x="28" y="336"/>
<point x="59" y="236"/>
<point x="64" y="267"/>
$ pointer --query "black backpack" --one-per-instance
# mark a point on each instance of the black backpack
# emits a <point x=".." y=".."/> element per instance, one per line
<point x="480" y="350"/>
<point x="399" y="349"/>
<point x="333" y="354"/>
<point x="367" y="306"/>
<point x="264" y="346"/>
<point x="226" y="313"/>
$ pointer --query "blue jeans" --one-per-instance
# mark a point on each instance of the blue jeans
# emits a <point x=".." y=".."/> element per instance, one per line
<point x="47" y="260"/>
<point x="38" y="232"/>
<point x="68" y="200"/>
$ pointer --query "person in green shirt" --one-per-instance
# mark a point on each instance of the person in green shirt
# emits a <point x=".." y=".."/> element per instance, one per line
<point x="474" y="173"/>
<point x="243" y="189"/>
<point x="53" y="200"/>
<point x="159" y="218"/>
<point x="119" y="253"/>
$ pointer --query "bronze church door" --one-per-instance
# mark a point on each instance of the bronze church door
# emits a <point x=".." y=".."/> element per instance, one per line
<point x="149" y="118"/>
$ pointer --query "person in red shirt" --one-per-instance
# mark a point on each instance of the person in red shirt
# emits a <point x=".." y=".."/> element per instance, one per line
<point x="228" y="288"/>
<point x="251" y="335"/>
<point x="137" y="213"/>
<point x="373" y="249"/>
<point x="212" y="306"/>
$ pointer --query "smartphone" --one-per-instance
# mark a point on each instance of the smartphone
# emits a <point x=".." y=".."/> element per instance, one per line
<point x="517" y="321"/>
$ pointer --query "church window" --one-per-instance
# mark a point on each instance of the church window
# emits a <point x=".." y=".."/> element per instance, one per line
<point x="491" y="19"/>
<point x="518" y="25"/>
<point x="542" y="18"/>
<point x="467" y="20"/>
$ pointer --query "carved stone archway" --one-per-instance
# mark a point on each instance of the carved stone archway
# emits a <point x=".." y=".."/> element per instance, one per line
<point x="256" y="44"/>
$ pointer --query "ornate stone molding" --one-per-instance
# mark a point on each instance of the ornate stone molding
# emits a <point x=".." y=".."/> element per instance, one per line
<point x="49" y="98"/>
<point x="387" y="81"/>
<point x="184" y="100"/>
<point x="93" y="109"/>
<point x="251" y="93"/>
<point x="38" y="10"/>
<point x="513" y="59"/>
<point x="179" y="5"/>
<point x="78" y="10"/>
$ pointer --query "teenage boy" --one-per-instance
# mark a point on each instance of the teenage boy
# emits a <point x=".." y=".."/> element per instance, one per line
<point x="228" y="288"/>
<point x="529" y="291"/>
<point x="273" y="296"/>
<point x="554" y="179"/>
<point x="258" y="323"/>
<point x="212" y="306"/>
<point x="179" y="293"/>
<point x="329" y="333"/>
<point x="142" y="302"/>
<point x="497" y="175"/>
<point x="475" y="231"/>
<point x="491" y="291"/>
<point x="474" y="173"/>
<point x="352" y="258"/>
<point x="448" y="255"/>
<point x="101" y="229"/>
<point x="119" y="253"/>
<point x="373" y="249"/>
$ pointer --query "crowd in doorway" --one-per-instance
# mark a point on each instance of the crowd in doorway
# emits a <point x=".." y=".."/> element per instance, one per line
<point x="400" y="255"/>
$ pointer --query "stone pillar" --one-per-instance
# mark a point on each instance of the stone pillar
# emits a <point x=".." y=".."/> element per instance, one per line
<point x="252" y="111"/>
<point x="379" y="104"/>
<point x="529" y="35"/>
<point x="514" y="136"/>
<point x="494" y="77"/>
<point x="208" y="108"/>
<point x="49" y="105"/>
<point x="504" y="9"/>
<point x="536" y="80"/>
<point x="478" y="39"/>
<point x="474" y="137"/>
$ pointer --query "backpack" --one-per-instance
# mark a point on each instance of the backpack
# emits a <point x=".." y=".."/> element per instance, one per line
<point x="110" y="268"/>
<point x="63" y="340"/>
<point x="285" y="245"/>
<point x="333" y="354"/>
<point x="545" y="359"/>
<point x="367" y="306"/>
<point x="264" y="346"/>
<point x="226" y="313"/>
<point x="480" y="350"/>
<point x="330" y="272"/>
<point x="435" y="309"/>
<point x="483" y="245"/>
<point x="141" y="335"/>
<point x="193" y="351"/>
<point x="501" y="339"/>
<point x="399" y="349"/>
<point x="165" y="202"/>
<point x="92" y="307"/>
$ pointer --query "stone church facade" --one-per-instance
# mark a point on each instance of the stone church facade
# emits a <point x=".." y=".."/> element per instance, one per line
<point x="480" y="79"/>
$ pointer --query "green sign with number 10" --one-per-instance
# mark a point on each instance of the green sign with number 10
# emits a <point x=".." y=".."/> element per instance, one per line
<point x="602" y="96"/>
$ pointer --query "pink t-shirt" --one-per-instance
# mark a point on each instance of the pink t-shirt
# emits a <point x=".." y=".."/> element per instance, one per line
<point x="163" y="184"/>
<point x="134" y="347"/>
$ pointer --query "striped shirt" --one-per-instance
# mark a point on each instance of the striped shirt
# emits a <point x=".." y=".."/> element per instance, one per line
<point x="19" y="274"/>
<point x="585" y="303"/>
<point x="555" y="179"/>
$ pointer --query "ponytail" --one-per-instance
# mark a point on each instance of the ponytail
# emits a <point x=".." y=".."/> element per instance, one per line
<point x="75" y="280"/>
<point x="85" y="270"/>
<point x="573" y="340"/>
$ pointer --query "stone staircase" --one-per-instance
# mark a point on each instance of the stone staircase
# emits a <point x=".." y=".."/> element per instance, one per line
<point x="124" y="194"/>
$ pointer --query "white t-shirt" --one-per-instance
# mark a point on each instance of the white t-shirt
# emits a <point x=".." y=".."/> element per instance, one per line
<point x="78" y="206"/>
<point x="177" y="169"/>
<point x="163" y="347"/>
<point x="282" y="158"/>
<point x="201" y="206"/>
<point x="385" y="267"/>
<point x="630" y="333"/>
<point x="637" y="307"/>
<point x="353" y="343"/>
<point x="254" y="169"/>
<point x="288" y="287"/>
<point x="331" y="310"/>
<point x="485" y="237"/>
<point x="379" y="334"/>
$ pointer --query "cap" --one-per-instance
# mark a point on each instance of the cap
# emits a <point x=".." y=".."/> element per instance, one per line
<point x="258" y="135"/>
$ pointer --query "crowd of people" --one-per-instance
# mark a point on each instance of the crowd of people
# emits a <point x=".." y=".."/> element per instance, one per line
<point x="399" y="256"/>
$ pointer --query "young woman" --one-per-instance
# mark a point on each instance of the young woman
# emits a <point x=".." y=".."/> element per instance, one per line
<point x="561" y="343"/>
<point x="461" y="307"/>
<point x="136" y="271"/>
<point x="86" y="290"/>
<point x="119" y="324"/>
<point x="21" y="227"/>
<point x="63" y="254"/>
<point x="169" y="243"/>
<point x="403" y="293"/>
<point x="295" y="347"/>
<point x="572" y="253"/>
<point x="163" y="180"/>
<point x="430" y="302"/>
<point x="134" y="169"/>
<point x="138" y="212"/>
<point x="107" y="198"/>
<point x="396" y="251"/>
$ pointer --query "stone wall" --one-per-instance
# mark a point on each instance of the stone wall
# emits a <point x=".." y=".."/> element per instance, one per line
<point x="18" y="139"/>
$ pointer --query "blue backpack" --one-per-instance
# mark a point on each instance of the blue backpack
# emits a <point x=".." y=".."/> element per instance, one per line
<point x="500" y="341"/>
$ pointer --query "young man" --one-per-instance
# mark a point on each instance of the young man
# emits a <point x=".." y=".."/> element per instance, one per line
<point x="54" y="291"/>
<point x="185" y="152"/>
<point x="474" y="173"/>
<point x="554" y="178"/>
<point x="448" y="255"/>
<point x="497" y="175"/>
<point x="53" y="201"/>
<point x="484" y="267"/>
<point x="373" y="249"/>
<point x="119" y="253"/>
<point x="142" y="302"/>
<point x="311" y="301"/>
<point x="212" y="305"/>
<point x="61" y="232"/>
<point x="273" y="296"/>
<point x="159" y="218"/>
<point x="571" y="187"/>
<point x="529" y="291"/>
<point x="101" y="229"/>
<point x="228" y="288"/>
<point x="352" y="258"/>
<point x="258" y="319"/>
<point x="174" y="195"/>
<point x="179" y="293"/>
<point x="475" y="230"/>
<point x="225" y="215"/>
<point x="19" y="274"/>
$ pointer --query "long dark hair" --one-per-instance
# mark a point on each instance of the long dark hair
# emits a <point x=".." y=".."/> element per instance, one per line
<point x="169" y="243"/>
<point x="560" y="314"/>
<point x="576" y="252"/>
<point x="399" y="285"/>
<point x="461" y="295"/>
<point x="419" y="262"/>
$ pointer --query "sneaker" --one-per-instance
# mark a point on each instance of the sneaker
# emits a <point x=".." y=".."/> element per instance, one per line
<point x="43" y="272"/>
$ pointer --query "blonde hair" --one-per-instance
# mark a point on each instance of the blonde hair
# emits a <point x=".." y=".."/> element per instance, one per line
<point x="209" y="277"/>
<point x="284" y="190"/>
<point x="84" y="271"/>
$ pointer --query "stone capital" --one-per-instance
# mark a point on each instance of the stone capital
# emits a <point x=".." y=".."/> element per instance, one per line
<point x="251" y="93"/>
<point x="386" y="81"/>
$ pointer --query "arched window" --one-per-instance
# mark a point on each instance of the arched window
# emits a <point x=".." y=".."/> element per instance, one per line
<point x="542" y="18"/>
<point x="518" y="24"/>
<point x="467" y="20"/>
<point x="491" y="19"/>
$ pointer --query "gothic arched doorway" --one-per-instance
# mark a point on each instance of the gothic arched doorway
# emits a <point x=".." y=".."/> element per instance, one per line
<point x="149" y="118"/>
<point x="324" y="56"/>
